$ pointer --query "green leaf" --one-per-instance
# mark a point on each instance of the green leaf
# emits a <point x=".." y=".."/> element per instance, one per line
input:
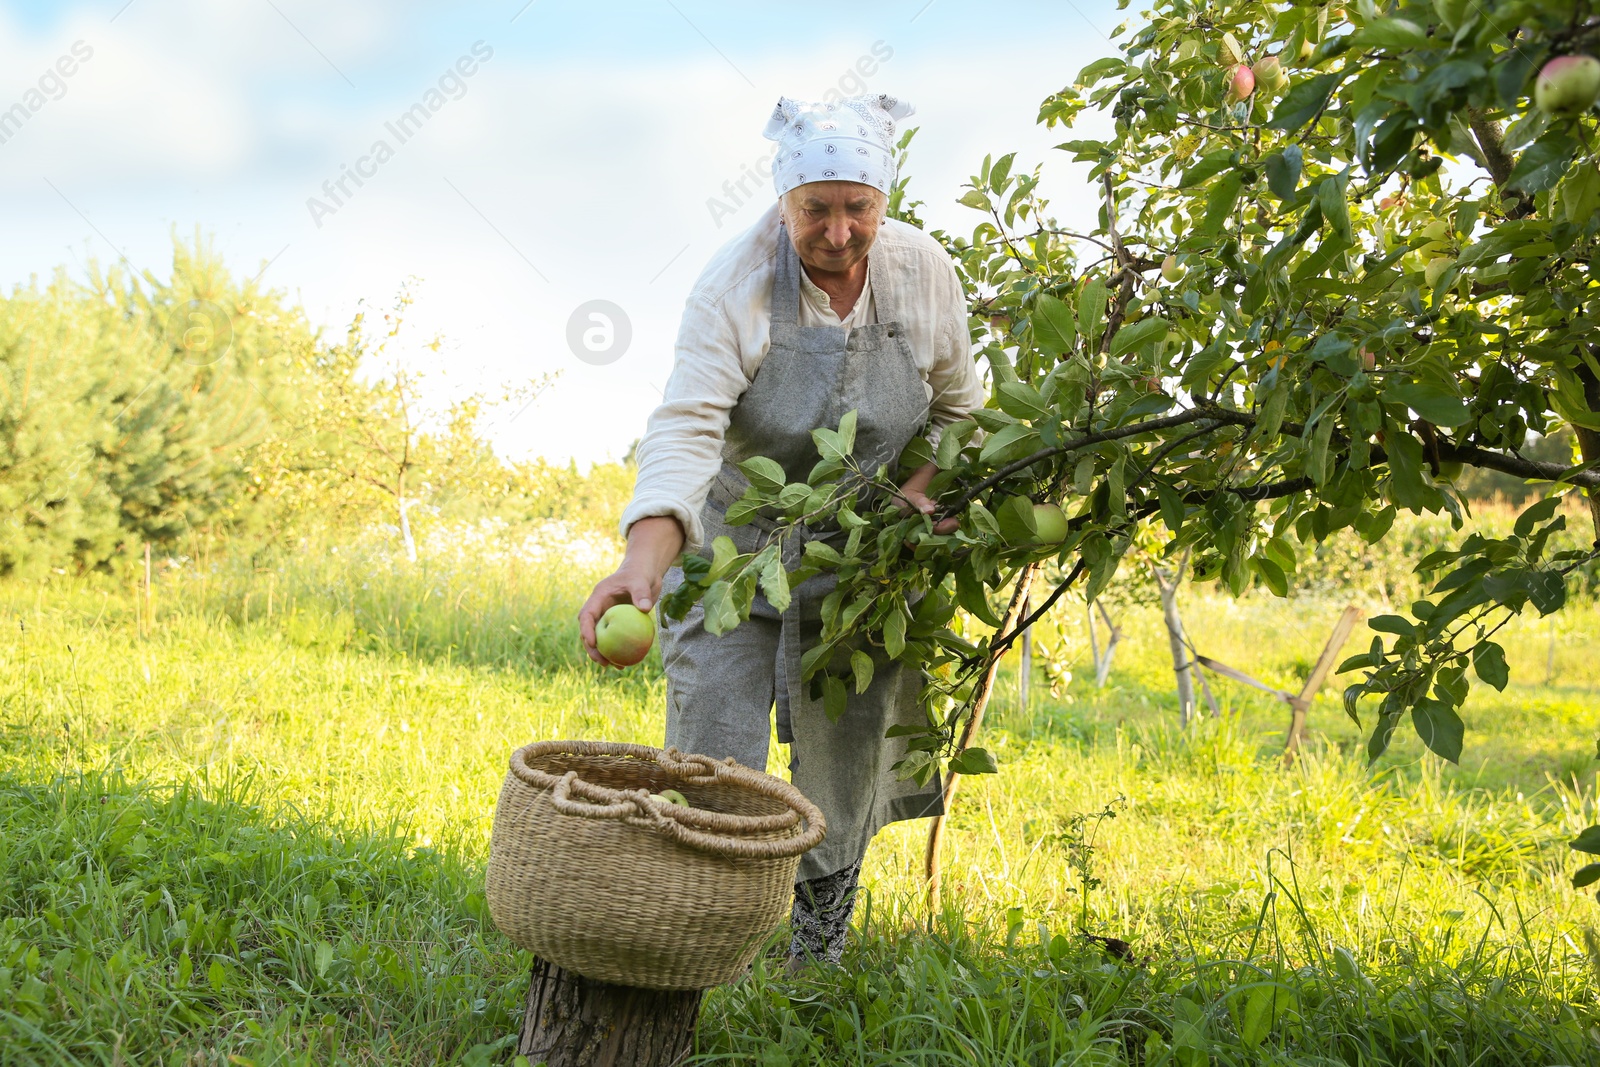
<point x="1283" y="172"/>
<point x="1392" y="33"/>
<point x="973" y="761"/>
<point x="1015" y="517"/>
<point x="724" y="554"/>
<point x="1534" y="514"/>
<point x="991" y="419"/>
<point x="1303" y="101"/>
<point x="1011" y="443"/>
<point x="1433" y="402"/>
<point x="1543" y="163"/>
<point x="983" y="520"/>
<point x="847" y="432"/>
<point x="1021" y="401"/>
<point x="1546" y="590"/>
<point x="948" y="450"/>
<point x="1208" y="166"/>
<point x="721" y="614"/>
<point x="1378" y="743"/>
<point x="1092" y="311"/>
<point x="835" y="698"/>
<point x="1489" y="661"/>
<point x="975" y="198"/>
<point x="1172" y="508"/>
<point x="775" y="581"/>
<point x="1262" y="1006"/>
<point x="894" y="632"/>
<point x="764" y="474"/>
<point x="1220" y="201"/>
<point x="1580" y="195"/>
<point x="861" y="668"/>
<point x="1137" y="335"/>
<point x="822" y="553"/>
<point x="1439" y="726"/>
<point x="1054" y="329"/>
<point x="1335" y="204"/>
<point x="829" y="444"/>
<point x="1587" y="841"/>
<point x="971" y="596"/>
<point x="1586" y="876"/>
<point x="1271" y="574"/>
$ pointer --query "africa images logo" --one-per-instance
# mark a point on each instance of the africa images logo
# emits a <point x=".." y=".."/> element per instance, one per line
<point x="51" y="85"/>
<point x="452" y="85"/>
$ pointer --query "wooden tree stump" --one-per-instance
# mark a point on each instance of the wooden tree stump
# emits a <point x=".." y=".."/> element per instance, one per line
<point x="572" y="1021"/>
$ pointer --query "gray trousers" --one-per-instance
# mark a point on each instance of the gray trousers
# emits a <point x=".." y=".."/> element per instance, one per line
<point x="820" y="917"/>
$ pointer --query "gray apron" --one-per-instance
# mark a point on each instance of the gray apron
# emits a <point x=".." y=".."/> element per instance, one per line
<point x="720" y="689"/>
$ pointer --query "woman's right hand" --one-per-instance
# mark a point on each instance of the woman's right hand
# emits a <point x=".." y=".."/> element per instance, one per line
<point x="653" y="544"/>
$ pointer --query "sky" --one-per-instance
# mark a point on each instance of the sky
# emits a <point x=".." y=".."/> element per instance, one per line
<point x="581" y="153"/>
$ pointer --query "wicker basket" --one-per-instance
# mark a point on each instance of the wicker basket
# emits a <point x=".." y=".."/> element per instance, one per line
<point x="589" y="873"/>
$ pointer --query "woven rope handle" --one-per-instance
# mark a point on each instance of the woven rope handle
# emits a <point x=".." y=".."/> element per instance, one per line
<point x="728" y="834"/>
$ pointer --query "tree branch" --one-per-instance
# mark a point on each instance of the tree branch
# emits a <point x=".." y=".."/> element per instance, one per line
<point x="1492" y="143"/>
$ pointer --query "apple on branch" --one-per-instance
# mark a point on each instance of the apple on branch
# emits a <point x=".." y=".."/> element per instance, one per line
<point x="1567" y="85"/>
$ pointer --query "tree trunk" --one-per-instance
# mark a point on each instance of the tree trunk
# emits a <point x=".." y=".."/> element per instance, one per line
<point x="1168" y="587"/>
<point x="1102" y="660"/>
<point x="405" y="531"/>
<point x="571" y="1021"/>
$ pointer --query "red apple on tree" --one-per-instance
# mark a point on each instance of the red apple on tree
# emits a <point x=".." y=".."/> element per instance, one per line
<point x="1242" y="84"/>
<point x="1568" y="85"/>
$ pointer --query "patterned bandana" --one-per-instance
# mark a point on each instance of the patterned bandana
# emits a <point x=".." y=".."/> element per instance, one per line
<point x="851" y="140"/>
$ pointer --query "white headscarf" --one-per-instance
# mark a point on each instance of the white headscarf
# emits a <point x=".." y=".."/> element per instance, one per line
<point x="851" y="140"/>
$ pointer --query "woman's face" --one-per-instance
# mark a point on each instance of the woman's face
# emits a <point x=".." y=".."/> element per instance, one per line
<point x="833" y="224"/>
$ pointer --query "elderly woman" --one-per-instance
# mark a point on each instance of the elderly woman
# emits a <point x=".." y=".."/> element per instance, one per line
<point x="824" y="306"/>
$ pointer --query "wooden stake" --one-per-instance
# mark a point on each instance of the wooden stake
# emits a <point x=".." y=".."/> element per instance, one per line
<point x="1325" y="663"/>
<point x="1025" y="662"/>
<point x="572" y="1021"/>
<point x="930" y="859"/>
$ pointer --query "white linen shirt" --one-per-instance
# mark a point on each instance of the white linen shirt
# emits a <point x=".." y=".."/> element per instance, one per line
<point x="725" y="333"/>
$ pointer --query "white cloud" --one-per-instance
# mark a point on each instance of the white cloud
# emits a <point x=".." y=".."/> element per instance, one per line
<point x="597" y="173"/>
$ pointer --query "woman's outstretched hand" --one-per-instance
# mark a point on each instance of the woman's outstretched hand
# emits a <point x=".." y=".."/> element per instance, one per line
<point x="914" y="497"/>
<point x="653" y="544"/>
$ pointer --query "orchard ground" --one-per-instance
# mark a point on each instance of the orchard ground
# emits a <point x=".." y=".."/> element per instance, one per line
<point x="256" y="835"/>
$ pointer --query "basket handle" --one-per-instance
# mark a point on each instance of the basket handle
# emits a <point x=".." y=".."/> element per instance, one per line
<point x="637" y="809"/>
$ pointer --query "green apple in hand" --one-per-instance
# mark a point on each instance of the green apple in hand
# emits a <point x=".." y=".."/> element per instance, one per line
<point x="624" y="635"/>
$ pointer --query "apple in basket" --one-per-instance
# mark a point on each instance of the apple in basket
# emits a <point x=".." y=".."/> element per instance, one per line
<point x="624" y="635"/>
<point x="672" y="796"/>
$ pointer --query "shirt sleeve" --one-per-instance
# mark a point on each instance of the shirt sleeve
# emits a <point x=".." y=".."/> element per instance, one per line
<point x="958" y="388"/>
<point x="681" y="450"/>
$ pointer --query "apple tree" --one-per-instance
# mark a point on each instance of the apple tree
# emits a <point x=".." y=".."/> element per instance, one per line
<point x="1342" y="252"/>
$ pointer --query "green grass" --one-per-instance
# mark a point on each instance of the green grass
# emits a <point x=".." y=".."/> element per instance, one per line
<point x="257" y="838"/>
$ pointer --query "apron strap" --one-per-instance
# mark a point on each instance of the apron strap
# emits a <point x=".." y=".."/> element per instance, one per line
<point x="786" y="282"/>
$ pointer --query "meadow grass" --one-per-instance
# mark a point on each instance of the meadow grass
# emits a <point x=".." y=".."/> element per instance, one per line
<point x="255" y="832"/>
